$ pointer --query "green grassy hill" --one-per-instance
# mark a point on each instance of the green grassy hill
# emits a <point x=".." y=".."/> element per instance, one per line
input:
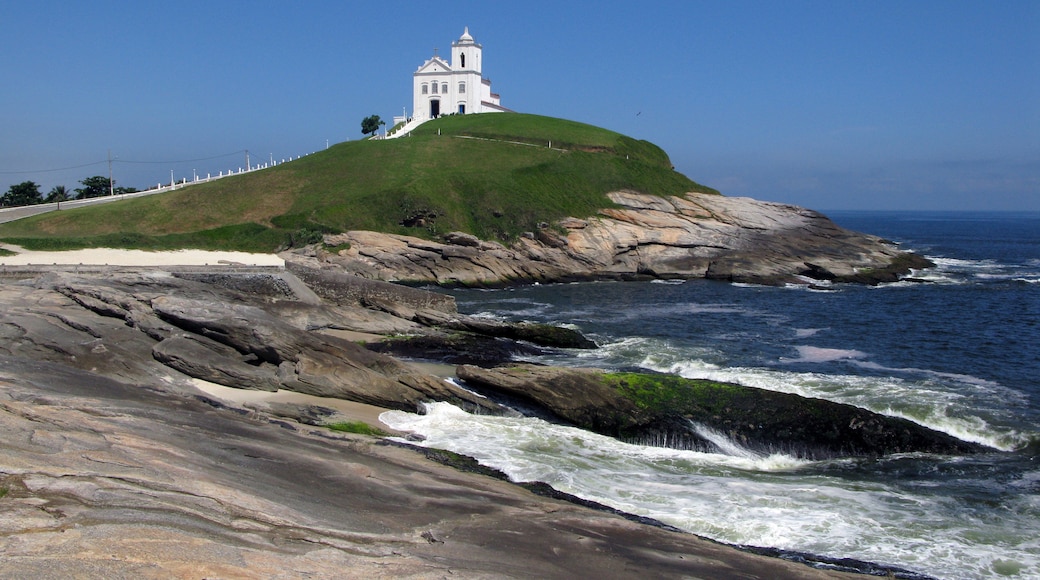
<point x="491" y="175"/>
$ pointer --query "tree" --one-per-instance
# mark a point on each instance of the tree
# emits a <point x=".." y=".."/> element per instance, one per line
<point x="57" y="193"/>
<point x="95" y="186"/>
<point x="25" y="193"/>
<point x="371" y="124"/>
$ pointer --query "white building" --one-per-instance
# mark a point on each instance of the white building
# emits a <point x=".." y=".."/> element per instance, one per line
<point x="442" y="88"/>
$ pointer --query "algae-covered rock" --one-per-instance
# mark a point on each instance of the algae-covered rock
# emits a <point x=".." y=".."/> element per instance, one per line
<point x="673" y="411"/>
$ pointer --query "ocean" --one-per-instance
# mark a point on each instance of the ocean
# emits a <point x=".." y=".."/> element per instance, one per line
<point x="955" y="348"/>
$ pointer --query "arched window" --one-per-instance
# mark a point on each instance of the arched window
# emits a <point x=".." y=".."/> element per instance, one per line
<point x="462" y="88"/>
<point x="425" y="88"/>
<point x="462" y="60"/>
<point x="435" y="88"/>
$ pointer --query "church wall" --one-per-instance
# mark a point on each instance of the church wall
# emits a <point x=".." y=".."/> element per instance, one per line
<point x="465" y="67"/>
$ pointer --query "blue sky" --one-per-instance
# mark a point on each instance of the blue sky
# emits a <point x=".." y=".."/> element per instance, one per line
<point x="826" y="104"/>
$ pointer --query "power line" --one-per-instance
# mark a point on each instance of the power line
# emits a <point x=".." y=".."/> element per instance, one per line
<point x="117" y="160"/>
<point x="182" y="160"/>
<point x="53" y="170"/>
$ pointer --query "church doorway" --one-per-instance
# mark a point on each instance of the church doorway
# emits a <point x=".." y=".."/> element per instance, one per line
<point x="435" y="108"/>
<point x="462" y="109"/>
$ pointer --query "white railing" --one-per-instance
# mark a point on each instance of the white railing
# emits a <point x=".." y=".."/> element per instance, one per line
<point x="407" y="127"/>
<point x="8" y="214"/>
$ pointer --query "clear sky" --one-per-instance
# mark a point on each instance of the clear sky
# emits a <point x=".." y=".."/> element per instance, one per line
<point x="828" y="104"/>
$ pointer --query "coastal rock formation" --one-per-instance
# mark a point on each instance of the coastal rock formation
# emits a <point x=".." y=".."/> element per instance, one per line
<point x="430" y="310"/>
<point x="105" y="479"/>
<point x="694" y="236"/>
<point x="137" y="326"/>
<point x="684" y="412"/>
<point x="114" y="464"/>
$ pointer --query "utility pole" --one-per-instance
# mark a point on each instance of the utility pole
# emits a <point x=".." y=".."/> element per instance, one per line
<point x="111" y="190"/>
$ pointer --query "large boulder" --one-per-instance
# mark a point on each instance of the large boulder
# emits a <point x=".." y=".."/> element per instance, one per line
<point x="682" y="412"/>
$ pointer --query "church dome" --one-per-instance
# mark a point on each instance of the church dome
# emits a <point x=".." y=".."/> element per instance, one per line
<point x="465" y="36"/>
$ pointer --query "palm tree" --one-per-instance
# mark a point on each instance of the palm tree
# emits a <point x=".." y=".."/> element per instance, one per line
<point x="57" y="194"/>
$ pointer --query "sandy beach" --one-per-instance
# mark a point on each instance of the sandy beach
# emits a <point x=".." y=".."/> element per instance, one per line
<point x="114" y="257"/>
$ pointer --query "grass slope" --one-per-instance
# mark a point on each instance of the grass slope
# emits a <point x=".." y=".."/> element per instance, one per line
<point x="492" y="175"/>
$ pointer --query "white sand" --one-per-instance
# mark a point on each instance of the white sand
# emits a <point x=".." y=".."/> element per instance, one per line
<point x="350" y="410"/>
<point x="111" y="257"/>
<point x="241" y="397"/>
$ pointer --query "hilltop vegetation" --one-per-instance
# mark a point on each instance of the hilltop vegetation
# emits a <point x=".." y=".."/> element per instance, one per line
<point x="494" y="176"/>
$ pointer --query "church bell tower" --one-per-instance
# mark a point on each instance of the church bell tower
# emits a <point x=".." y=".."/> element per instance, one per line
<point x="466" y="54"/>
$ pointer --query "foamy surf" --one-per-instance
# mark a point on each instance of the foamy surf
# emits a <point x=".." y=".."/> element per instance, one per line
<point x="736" y="496"/>
<point x="926" y="404"/>
<point x="950" y="347"/>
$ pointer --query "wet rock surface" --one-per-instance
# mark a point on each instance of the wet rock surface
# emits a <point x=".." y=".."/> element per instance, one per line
<point x="679" y="410"/>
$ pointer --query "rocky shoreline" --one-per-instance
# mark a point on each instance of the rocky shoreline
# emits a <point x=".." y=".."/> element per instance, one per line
<point x="169" y="421"/>
<point x="642" y="237"/>
<point x="115" y="464"/>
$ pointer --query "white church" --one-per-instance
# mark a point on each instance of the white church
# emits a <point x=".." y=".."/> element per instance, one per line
<point x="440" y="87"/>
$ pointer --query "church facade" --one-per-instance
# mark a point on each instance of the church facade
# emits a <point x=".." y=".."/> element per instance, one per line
<point x="440" y="87"/>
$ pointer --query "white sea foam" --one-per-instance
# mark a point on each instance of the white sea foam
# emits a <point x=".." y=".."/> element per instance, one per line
<point x="961" y="264"/>
<point x="777" y="501"/>
<point x="488" y="315"/>
<point x="947" y="271"/>
<point x="924" y="403"/>
<point x="966" y="379"/>
<point x="815" y="354"/>
<point x="955" y="270"/>
<point x="934" y="399"/>
<point x="724" y="444"/>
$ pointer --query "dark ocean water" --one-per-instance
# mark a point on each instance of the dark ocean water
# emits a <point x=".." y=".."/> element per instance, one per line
<point x="957" y="349"/>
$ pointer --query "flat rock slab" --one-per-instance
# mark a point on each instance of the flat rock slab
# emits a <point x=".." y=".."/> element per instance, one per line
<point x="104" y="479"/>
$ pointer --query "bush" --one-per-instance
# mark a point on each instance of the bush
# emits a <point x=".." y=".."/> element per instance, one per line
<point x="305" y="237"/>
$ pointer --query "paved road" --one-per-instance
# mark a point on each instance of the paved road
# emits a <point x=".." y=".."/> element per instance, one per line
<point x="10" y="214"/>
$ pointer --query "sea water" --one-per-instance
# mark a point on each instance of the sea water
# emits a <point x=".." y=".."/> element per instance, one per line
<point x="956" y="348"/>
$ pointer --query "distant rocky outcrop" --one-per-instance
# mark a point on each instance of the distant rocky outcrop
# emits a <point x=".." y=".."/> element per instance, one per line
<point x="643" y="236"/>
